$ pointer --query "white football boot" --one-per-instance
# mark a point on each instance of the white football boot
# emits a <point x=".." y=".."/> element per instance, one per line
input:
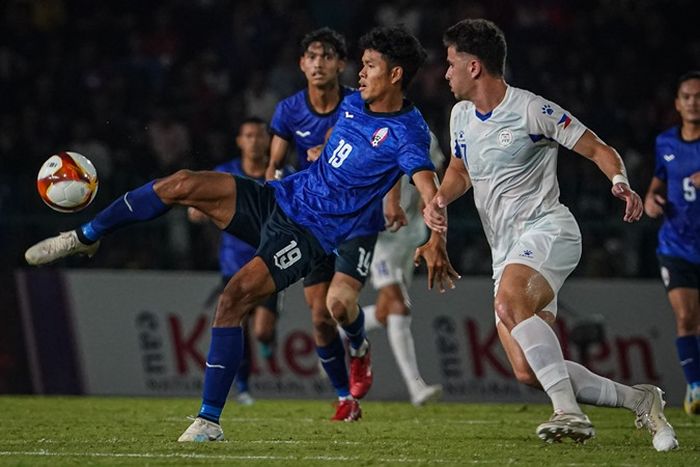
<point x="576" y="426"/>
<point x="424" y="394"/>
<point x="54" y="248"/>
<point x="650" y="415"/>
<point x="201" y="431"/>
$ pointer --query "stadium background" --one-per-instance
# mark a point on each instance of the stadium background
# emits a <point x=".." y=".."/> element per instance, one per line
<point x="143" y="88"/>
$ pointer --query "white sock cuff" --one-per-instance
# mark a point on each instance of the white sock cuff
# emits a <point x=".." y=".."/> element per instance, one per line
<point x="551" y="375"/>
<point x="371" y="321"/>
<point x="403" y="321"/>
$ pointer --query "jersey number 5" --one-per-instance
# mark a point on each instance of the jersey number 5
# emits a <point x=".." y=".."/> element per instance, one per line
<point x="689" y="192"/>
<point x="340" y="154"/>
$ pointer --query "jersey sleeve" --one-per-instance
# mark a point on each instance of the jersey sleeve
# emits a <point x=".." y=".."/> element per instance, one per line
<point x="659" y="165"/>
<point x="414" y="155"/>
<point x="436" y="155"/>
<point x="458" y="144"/>
<point x="279" y="125"/>
<point x="546" y="119"/>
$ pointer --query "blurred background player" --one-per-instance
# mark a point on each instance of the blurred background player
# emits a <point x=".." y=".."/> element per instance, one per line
<point x="253" y="141"/>
<point x="391" y="274"/>
<point x="505" y="144"/>
<point x="302" y="121"/>
<point x="673" y="193"/>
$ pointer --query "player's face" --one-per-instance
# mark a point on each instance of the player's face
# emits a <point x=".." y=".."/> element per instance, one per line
<point x="460" y="73"/>
<point x="253" y="141"/>
<point x="375" y="76"/>
<point x="321" y="65"/>
<point x="688" y="101"/>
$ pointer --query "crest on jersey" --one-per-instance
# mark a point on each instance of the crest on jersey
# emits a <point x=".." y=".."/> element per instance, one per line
<point x="505" y="138"/>
<point x="379" y="136"/>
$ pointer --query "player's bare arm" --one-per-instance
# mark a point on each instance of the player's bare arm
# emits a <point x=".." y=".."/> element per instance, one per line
<point x="454" y="185"/>
<point x="314" y="153"/>
<point x="655" y="199"/>
<point x="278" y="153"/>
<point x="695" y="179"/>
<point x="394" y="215"/>
<point x="610" y="163"/>
<point x="434" y="251"/>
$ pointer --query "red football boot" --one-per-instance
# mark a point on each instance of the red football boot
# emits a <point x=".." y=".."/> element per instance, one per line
<point x="347" y="410"/>
<point x="360" y="373"/>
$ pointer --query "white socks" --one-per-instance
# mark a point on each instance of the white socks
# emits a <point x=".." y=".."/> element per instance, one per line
<point x="398" y="328"/>
<point x="543" y="353"/>
<point x="603" y="392"/>
<point x="371" y="322"/>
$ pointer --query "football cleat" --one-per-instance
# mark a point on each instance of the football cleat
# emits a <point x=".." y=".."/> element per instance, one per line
<point x="691" y="403"/>
<point x="201" y="431"/>
<point x="650" y="415"/>
<point x="360" y="371"/>
<point x="347" y="410"/>
<point x="54" y="248"/>
<point x="426" y="394"/>
<point x="576" y="426"/>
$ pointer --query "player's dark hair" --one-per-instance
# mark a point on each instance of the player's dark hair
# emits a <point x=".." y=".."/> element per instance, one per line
<point x="481" y="38"/>
<point x="694" y="74"/>
<point x="329" y="38"/>
<point x="398" y="47"/>
<point x="255" y="120"/>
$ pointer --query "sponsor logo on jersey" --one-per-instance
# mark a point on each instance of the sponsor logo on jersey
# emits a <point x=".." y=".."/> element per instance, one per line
<point x="379" y="136"/>
<point x="547" y="109"/>
<point x="303" y="134"/>
<point x="669" y="157"/>
<point x="349" y="115"/>
<point x="505" y="138"/>
<point x="527" y="254"/>
<point x="564" y="120"/>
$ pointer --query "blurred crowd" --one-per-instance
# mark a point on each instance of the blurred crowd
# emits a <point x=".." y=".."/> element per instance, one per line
<point x="144" y="87"/>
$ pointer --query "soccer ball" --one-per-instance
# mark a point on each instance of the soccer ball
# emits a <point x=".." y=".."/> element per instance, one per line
<point x="67" y="182"/>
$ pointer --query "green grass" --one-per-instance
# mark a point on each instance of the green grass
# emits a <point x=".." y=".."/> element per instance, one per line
<point x="88" y="430"/>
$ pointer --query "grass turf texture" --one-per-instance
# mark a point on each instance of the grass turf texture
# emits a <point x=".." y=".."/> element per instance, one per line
<point x="89" y="430"/>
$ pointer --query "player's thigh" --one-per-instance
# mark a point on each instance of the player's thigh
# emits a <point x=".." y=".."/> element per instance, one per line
<point x="213" y="193"/>
<point x="392" y="262"/>
<point x="522" y="292"/>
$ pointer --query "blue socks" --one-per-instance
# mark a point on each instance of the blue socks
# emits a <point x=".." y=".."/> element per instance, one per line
<point x="225" y="353"/>
<point x="332" y="358"/>
<point x="141" y="204"/>
<point x="356" y="330"/>
<point x="689" y="356"/>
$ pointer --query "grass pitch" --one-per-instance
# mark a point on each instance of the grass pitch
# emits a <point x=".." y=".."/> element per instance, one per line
<point x="89" y="430"/>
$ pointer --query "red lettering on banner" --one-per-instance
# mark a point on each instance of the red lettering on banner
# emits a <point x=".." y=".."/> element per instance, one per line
<point x="187" y="346"/>
<point x="299" y="345"/>
<point x="623" y="348"/>
<point x="602" y="355"/>
<point x="483" y="352"/>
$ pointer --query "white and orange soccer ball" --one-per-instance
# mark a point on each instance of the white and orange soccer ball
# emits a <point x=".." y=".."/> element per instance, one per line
<point x="67" y="182"/>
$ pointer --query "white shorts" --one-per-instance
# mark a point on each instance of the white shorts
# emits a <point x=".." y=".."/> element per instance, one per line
<point x="552" y="248"/>
<point x="393" y="256"/>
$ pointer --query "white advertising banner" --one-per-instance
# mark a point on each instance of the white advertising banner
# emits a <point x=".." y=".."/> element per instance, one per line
<point x="147" y="333"/>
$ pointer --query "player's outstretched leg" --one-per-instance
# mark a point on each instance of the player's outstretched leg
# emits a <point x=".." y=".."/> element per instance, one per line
<point x="213" y="193"/>
<point x="247" y="288"/>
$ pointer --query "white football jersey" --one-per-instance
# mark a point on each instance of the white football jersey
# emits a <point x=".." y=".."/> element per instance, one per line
<point x="511" y="156"/>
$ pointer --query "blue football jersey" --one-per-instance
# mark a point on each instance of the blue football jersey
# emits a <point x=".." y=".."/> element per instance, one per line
<point x="296" y="121"/>
<point x="340" y="196"/>
<point x="676" y="161"/>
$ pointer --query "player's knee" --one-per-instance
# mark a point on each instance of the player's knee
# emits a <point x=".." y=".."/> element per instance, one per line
<point x="505" y="309"/>
<point x="687" y="321"/>
<point x="339" y="309"/>
<point x="175" y="187"/>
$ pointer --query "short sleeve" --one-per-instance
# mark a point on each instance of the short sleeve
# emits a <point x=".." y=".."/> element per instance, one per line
<point x="546" y="119"/>
<point x="458" y="142"/>
<point x="279" y="125"/>
<point x="414" y="155"/>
